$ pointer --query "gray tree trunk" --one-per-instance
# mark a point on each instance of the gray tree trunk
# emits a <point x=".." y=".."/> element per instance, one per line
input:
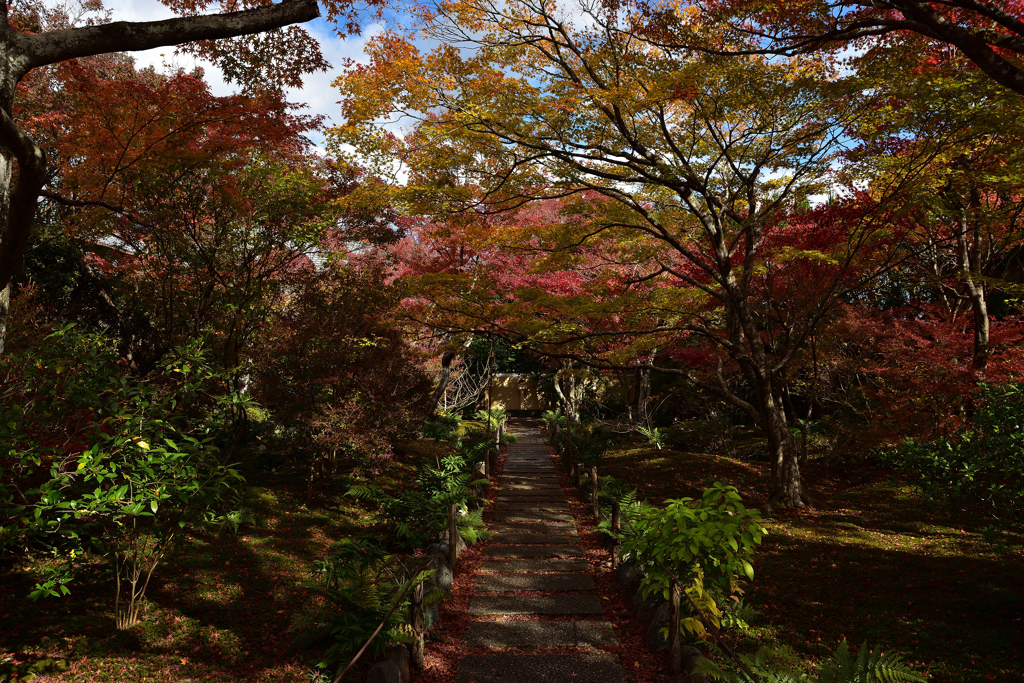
<point x="5" y="307"/>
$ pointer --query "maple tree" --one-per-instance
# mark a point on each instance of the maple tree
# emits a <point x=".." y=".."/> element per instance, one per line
<point x="967" y="203"/>
<point x="32" y="38"/>
<point x="990" y="34"/>
<point x="701" y="164"/>
<point x="337" y="362"/>
<point x="192" y="211"/>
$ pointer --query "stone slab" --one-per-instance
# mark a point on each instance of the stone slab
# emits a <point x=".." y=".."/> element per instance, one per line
<point x="529" y="486"/>
<point x="578" y="667"/>
<point x="534" y="539"/>
<point x="548" y="482"/>
<point x="503" y="497"/>
<point x="533" y="528"/>
<point x="506" y="583"/>
<point x="560" y="505"/>
<point x="526" y="634"/>
<point x="546" y="492"/>
<point x="532" y="476"/>
<point x="515" y="565"/>
<point x="532" y="551"/>
<point x="552" y="605"/>
<point x="504" y="516"/>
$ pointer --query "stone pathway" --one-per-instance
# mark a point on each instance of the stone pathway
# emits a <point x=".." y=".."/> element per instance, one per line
<point x="535" y="549"/>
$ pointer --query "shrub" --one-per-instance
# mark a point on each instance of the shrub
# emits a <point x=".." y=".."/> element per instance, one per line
<point x="710" y="540"/>
<point x="983" y="464"/>
<point x="105" y="464"/>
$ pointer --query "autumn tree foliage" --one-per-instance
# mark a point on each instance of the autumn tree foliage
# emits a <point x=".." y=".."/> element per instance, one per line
<point x="191" y="210"/>
<point x="339" y="370"/>
<point x="989" y="34"/>
<point x="704" y="166"/>
<point x="946" y="319"/>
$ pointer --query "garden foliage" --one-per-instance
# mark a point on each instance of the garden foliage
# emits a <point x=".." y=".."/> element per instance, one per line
<point x="781" y="666"/>
<point x="982" y="465"/>
<point x="704" y="543"/>
<point x="100" y="463"/>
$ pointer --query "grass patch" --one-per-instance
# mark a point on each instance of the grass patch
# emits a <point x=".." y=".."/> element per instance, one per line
<point x="873" y="561"/>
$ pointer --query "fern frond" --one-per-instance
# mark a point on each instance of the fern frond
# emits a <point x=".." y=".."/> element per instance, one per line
<point x="870" y="666"/>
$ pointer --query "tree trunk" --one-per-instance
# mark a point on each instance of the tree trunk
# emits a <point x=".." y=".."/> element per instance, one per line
<point x="5" y="307"/>
<point x="970" y="267"/>
<point x="787" y="489"/>
<point x="643" y="394"/>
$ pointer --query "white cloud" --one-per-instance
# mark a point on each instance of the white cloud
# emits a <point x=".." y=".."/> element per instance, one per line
<point x="316" y="92"/>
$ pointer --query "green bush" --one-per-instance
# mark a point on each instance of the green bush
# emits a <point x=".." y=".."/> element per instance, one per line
<point x="444" y="427"/>
<point x="101" y="463"/>
<point x="984" y="464"/>
<point x="708" y="541"/>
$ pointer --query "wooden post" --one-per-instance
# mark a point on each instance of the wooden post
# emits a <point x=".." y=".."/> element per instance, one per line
<point x="593" y="492"/>
<point x="417" y="625"/>
<point x="616" y="529"/>
<point x="479" y="472"/>
<point x="675" y="654"/>
<point x="453" y="536"/>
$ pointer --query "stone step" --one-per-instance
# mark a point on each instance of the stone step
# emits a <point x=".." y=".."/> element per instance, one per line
<point x="534" y="539"/>
<point x="527" y="634"/>
<point x="552" y="605"/>
<point x="529" y="488"/>
<point x="532" y="551"/>
<point x="556" y="528"/>
<point x="515" y="565"/>
<point x="532" y="505"/>
<point x="506" y="583"/>
<point x="529" y="497"/>
<point x="504" y="516"/>
<point x="578" y="667"/>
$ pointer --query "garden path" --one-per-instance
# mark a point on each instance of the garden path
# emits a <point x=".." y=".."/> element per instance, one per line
<point x="534" y="597"/>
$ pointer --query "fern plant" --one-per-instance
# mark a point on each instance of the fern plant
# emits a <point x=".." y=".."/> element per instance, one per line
<point x="355" y="586"/>
<point x="472" y="527"/>
<point x="654" y="436"/>
<point x="496" y="416"/>
<point x="552" y="420"/>
<point x="780" y="666"/>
